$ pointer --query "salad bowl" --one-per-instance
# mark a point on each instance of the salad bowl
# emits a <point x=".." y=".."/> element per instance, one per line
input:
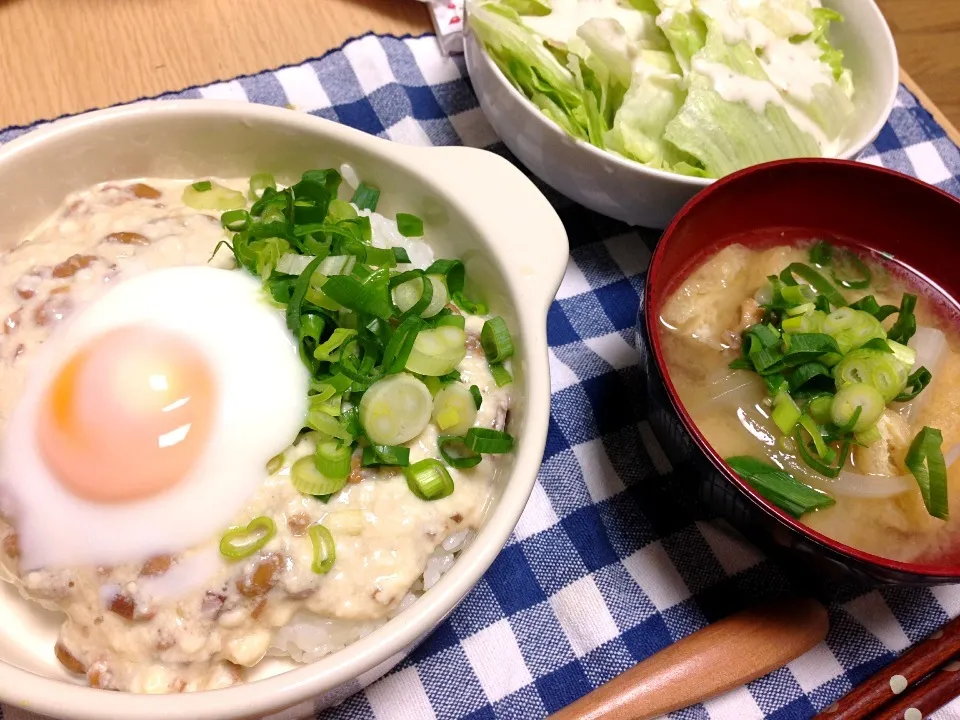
<point x="638" y="194"/>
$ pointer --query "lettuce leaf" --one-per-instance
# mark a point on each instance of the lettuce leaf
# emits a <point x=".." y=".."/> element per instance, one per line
<point x="684" y="28"/>
<point x="726" y="136"/>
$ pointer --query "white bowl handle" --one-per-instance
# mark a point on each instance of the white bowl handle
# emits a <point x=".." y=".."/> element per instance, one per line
<point x="520" y="222"/>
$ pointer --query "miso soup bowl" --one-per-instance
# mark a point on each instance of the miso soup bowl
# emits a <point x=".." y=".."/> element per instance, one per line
<point x="860" y="204"/>
<point x="631" y="192"/>
<point x="477" y="206"/>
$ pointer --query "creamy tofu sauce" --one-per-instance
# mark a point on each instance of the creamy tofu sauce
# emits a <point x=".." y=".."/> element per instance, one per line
<point x="194" y="621"/>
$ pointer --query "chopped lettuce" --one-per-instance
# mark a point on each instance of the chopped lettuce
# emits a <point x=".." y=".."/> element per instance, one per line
<point x="696" y="87"/>
<point x="729" y="134"/>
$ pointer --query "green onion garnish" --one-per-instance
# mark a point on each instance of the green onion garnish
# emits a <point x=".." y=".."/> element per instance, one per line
<point x="428" y="479"/>
<point x="240" y="542"/>
<point x="400" y="255"/>
<point x="496" y="341"/>
<point x="857" y="397"/>
<point x="925" y="460"/>
<point x="858" y="267"/>
<point x="869" y="304"/>
<point x="259" y="182"/>
<point x="779" y="487"/>
<point x="487" y="441"/>
<point x="456" y="454"/>
<point x="906" y="325"/>
<point x="917" y="381"/>
<point x="785" y="414"/>
<point x="477" y="396"/>
<point x="324" y="549"/>
<point x="366" y="197"/>
<point x="307" y="478"/>
<point x="333" y="460"/>
<point x="235" y="220"/>
<point x="202" y="186"/>
<point x="818" y="281"/>
<point x="377" y="455"/>
<point x="821" y="253"/>
<point x="409" y="225"/>
<point x="500" y="374"/>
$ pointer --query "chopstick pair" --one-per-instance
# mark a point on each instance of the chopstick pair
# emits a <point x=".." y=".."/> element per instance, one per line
<point x="918" y="683"/>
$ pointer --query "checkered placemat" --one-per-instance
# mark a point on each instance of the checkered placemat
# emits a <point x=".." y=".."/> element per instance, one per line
<point x="603" y="569"/>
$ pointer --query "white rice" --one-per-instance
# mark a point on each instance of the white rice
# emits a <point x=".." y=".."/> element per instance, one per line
<point x="308" y="637"/>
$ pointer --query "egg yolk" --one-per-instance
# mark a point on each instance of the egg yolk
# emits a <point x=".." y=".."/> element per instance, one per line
<point x="128" y="415"/>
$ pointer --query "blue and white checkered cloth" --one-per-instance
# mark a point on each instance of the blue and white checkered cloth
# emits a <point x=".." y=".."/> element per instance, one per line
<point x="603" y="569"/>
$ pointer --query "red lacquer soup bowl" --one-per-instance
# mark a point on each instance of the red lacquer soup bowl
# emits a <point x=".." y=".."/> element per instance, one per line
<point x="863" y="206"/>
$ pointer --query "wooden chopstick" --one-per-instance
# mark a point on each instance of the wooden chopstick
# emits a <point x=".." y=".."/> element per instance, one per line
<point x="914" y="665"/>
<point x="926" y="698"/>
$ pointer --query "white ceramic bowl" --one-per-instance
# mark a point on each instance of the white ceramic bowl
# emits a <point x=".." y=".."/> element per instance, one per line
<point x="478" y="207"/>
<point x="631" y="192"/>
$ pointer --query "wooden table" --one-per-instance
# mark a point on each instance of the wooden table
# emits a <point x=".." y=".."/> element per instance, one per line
<point x="64" y="56"/>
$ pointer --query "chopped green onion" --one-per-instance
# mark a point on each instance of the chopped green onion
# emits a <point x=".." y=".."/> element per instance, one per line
<point x="307" y="478"/>
<point x="393" y="455"/>
<point x="830" y="469"/>
<point x="801" y="309"/>
<point x="818" y="281"/>
<point x="367" y="297"/>
<point x="477" y="396"/>
<point x="454" y="409"/>
<point x="869" y="304"/>
<point x="240" y="542"/>
<point x="882" y="370"/>
<point x="329" y="350"/>
<point x="821" y="253"/>
<point x="366" y="197"/>
<point x="299" y="293"/>
<point x="855" y="396"/>
<point x="858" y="267"/>
<point x="776" y="383"/>
<point x="202" y="186"/>
<point x="448" y="318"/>
<point x="487" y="441"/>
<point x="468" y="306"/>
<point x="904" y="353"/>
<point x="397" y="351"/>
<point x="906" y="324"/>
<point x="350" y="421"/>
<point x="333" y="460"/>
<point x="495" y="339"/>
<point x="260" y="182"/>
<point x="779" y="487"/>
<point x="798" y="294"/>
<point x="409" y="225"/>
<point x="823" y="450"/>
<point x="452" y="270"/>
<point x="235" y="220"/>
<point x="456" y="454"/>
<point x="852" y="328"/>
<point x="437" y="351"/>
<point x="917" y="381"/>
<point x="868" y="437"/>
<point x="324" y="549"/>
<point x="803" y="347"/>
<point x="925" y="460"/>
<point x="786" y="414"/>
<point x="501" y="376"/>
<point x="396" y="409"/>
<point x="819" y="409"/>
<point x="324" y="422"/>
<point x="808" y="372"/>
<point x="400" y="255"/>
<point x="428" y="479"/>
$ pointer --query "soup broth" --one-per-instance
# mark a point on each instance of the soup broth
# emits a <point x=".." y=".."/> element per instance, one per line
<point x="877" y="505"/>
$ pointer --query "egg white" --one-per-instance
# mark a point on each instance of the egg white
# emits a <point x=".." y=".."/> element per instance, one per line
<point x="261" y="406"/>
